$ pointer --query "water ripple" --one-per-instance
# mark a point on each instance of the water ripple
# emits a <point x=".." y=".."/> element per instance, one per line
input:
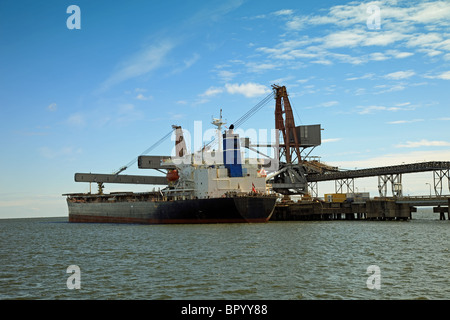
<point x="279" y="260"/>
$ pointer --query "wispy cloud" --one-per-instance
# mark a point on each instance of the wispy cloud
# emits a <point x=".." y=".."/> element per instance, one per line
<point x="143" y="62"/>
<point x="399" y="54"/>
<point x="385" y="88"/>
<point x="367" y="76"/>
<point x="426" y="12"/>
<point x="400" y="75"/>
<point x="405" y="121"/>
<point x="403" y="104"/>
<point x="413" y="28"/>
<point x="52" y="153"/>
<point x="423" y="143"/>
<point x="142" y="97"/>
<point x="284" y="12"/>
<point x="127" y="113"/>
<point x="260" y="67"/>
<point x="247" y="89"/>
<point x="214" y="12"/>
<point x="212" y="91"/>
<point x="176" y="116"/>
<point x="155" y="55"/>
<point x="226" y="75"/>
<point x="329" y="104"/>
<point x="443" y="76"/>
<point x="52" y="107"/>
<point x="187" y="63"/>
<point x="331" y="140"/>
<point x="76" y="120"/>
<point x="374" y="108"/>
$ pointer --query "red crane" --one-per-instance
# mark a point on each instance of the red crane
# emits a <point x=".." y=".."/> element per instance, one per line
<point x="291" y="146"/>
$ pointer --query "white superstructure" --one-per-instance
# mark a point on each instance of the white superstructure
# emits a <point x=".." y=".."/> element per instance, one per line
<point x="205" y="174"/>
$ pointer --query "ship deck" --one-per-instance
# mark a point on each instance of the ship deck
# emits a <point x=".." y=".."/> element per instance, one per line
<point x="142" y="196"/>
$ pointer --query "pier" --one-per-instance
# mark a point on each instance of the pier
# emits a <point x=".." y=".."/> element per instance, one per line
<point x="299" y="174"/>
<point x="400" y="208"/>
<point x="353" y="206"/>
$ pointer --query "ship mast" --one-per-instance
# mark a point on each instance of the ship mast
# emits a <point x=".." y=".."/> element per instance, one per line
<point x="218" y="122"/>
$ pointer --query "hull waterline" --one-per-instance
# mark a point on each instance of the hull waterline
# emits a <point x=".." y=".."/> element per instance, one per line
<point x="129" y="209"/>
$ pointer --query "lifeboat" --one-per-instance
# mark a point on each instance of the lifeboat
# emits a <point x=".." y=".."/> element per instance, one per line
<point x="172" y="176"/>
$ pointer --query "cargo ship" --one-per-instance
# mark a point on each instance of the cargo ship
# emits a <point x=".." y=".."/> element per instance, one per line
<point x="217" y="186"/>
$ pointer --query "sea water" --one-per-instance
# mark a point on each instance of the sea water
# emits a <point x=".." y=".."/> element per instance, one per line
<point x="50" y="258"/>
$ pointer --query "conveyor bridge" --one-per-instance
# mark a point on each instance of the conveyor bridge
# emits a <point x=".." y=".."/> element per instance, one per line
<point x="386" y="174"/>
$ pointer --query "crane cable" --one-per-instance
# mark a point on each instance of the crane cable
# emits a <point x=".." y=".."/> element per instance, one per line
<point x="157" y="143"/>
<point x="248" y="114"/>
<point x="253" y="110"/>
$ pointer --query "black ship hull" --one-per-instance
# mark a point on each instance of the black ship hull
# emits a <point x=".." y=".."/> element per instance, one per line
<point x="138" y="208"/>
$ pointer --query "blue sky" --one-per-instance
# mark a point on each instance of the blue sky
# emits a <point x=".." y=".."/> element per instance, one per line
<point x="92" y="99"/>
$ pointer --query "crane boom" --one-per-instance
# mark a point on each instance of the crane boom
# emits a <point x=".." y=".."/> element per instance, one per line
<point x="115" y="178"/>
